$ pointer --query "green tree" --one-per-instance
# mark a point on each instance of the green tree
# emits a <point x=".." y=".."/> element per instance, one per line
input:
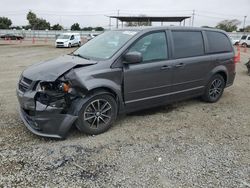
<point x="228" y="25"/>
<point x="247" y="28"/>
<point x="31" y="17"/>
<point x="205" y="26"/>
<point x="75" y="27"/>
<point x="16" y="27"/>
<point x="57" y="27"/>
<point x="99" y="29"/>
<point x="87" y="28"/>
<point x="134" y="24"/>
<point x="5" y="23"/>
<point x="37" y="23"/>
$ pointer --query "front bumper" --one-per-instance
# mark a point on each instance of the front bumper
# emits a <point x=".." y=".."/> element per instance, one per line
<point x="61" y="44"/>
<point x="43" y="120"/>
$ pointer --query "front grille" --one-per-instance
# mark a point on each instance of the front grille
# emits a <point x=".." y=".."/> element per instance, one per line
<point x="24" y="84"/>
<point x="59" y="42"/>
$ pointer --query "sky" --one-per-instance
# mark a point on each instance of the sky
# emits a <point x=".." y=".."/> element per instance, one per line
<point x="95" y="12"/>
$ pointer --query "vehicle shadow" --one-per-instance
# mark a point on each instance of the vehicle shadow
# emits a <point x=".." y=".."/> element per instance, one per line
<point x="74" y="133"/>
<point x="154" y="110"/>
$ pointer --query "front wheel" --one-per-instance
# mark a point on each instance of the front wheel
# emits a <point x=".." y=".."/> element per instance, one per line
<point x="97" y="114"/>
<point x="214" y="89"/>
<point x="69" y="45"/>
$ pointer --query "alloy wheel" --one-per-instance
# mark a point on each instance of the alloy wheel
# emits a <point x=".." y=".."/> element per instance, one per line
<point x="216" y="89"/>
<point x="98" y="113"/>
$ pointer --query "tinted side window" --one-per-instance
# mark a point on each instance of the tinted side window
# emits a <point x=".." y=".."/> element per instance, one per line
<point x="187" y="43"/>
<point x="153" y="47"/>
<point x="243" y="37"/>
<point x="218" y="42"/>
<point x="248" y="38"/>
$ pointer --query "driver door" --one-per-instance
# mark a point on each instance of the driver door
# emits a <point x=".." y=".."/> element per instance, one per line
<point x="148" y="83"/>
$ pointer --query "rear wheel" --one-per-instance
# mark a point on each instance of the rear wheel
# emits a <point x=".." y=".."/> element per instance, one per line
<point x="214" y="89"/>
<point x="244" y="45"/>
<point x="97" y="114"/>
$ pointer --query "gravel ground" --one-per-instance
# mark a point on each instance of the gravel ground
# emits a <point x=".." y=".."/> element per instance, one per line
<point x="186" y="144"/>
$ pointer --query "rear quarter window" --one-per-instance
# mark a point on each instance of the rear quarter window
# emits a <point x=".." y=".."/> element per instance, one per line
<point x="188" y="44"/>
<point x="218" y="42"/>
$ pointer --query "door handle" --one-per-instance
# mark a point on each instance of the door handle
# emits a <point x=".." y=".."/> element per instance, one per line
<point x="165" y="67"/>
<point x="179" y="65"/>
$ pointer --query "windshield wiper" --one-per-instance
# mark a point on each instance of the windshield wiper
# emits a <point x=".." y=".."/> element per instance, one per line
<point x="81" y="56"/>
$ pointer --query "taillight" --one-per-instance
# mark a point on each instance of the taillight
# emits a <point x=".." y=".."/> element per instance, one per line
<point x="237" y="58"/>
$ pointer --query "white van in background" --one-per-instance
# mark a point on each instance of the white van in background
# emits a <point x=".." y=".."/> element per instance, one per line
<point x="245" y="40"/>
<point x="91" y="36"/>
<point x="68" y="40"/>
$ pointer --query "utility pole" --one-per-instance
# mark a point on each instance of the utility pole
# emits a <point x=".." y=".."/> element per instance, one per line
<point x="245" y="17"/>
<point x="109" y="23"/>
<point x="193" y="18"/>
<point x="118" y="12"/>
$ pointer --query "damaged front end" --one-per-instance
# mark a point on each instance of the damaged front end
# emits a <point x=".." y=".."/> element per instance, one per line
<point x="47" y="99"/>
<point x="45" y="106"/>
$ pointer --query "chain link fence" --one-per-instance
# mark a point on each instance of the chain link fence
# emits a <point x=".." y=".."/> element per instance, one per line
<point x="53" y="34"/>
<point x="43" y="33"/>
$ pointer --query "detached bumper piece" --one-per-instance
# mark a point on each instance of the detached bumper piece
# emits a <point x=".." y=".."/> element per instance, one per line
<point x="47" y="121"/>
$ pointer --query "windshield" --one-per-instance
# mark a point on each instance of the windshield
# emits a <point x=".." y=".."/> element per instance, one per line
<point x="63" y="36"/>
<point x="105" y="45"/>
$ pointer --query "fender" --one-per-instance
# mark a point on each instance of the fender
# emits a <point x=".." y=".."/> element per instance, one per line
<point x="79" y="102"/>
<point x="106" y="85"/>
<point x="215" y="70"/>
<point x="102" y="79"/>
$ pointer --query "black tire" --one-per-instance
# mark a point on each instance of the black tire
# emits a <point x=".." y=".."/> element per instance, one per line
<point x="214" y="89"/>
<point x="69" y="45"/>
<point x="244" y="45"/>
<point x="79" y="44"/>
<point x="97" y="114"/>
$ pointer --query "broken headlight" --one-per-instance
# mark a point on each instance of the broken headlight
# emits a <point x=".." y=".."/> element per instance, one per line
<point x="57" y="86"/>
<point x="53" y="93"/>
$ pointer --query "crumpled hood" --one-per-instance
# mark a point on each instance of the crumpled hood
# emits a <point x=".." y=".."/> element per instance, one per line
<point x="52" y="69"/>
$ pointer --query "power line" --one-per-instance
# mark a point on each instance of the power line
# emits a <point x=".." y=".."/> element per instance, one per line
<point x="222" y="14"/>
<point x="212" y="17"/>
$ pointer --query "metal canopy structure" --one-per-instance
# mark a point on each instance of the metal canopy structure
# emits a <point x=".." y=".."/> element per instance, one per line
<point x="150" y="19"/>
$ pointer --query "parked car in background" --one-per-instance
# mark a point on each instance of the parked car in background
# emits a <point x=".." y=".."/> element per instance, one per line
<point x="235" y="40"/>
<point x="12" y="37"/>
<point x="68" y="40"/>
<point x="245" y="40"/>
<point x="91" y="36"/>
<point x="122" y="71"/>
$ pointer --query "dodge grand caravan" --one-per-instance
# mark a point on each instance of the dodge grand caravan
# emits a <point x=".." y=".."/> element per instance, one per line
<point x="122" y="71"/>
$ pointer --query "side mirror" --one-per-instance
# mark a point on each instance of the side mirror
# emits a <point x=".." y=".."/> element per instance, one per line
<point x="132" y="57"/>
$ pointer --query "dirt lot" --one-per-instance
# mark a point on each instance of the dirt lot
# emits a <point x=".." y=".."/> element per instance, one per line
<point x="187" y="144"/>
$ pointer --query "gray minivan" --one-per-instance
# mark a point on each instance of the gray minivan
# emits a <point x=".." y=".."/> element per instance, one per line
<point x="121" y="71"/>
